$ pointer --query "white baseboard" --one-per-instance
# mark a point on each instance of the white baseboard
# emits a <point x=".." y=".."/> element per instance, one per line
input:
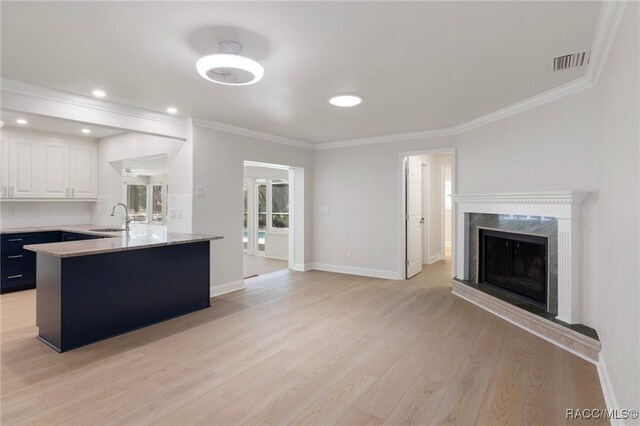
<point x="352" y="270"/>
<point x="274" y="257"/>
<point x="607" y="389"/>
<point x="433" y="259"/>
<point x="303" y="267"/>
<point x="217" y="290"/>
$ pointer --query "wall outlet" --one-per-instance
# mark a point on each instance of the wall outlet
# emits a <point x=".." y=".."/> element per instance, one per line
<point x="349" y="252"/>
<point x="199" y="191"/>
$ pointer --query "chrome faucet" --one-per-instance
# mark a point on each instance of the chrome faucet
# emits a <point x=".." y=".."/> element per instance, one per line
<point x="126" y="211"/>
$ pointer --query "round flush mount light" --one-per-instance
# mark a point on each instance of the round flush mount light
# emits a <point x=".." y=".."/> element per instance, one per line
<point x="172" y="110"/>
<point x="229" y="67"/>
<point x="86" y="131"/>
<point x="21" y="121"/>
<point x="98" y="93"/>
<point x="345" y="101"/>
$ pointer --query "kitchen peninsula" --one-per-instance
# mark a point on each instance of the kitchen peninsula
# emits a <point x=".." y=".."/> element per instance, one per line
<point x="93" y="289"/>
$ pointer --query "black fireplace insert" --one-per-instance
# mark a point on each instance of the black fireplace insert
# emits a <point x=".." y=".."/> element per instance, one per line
<point x="515" y="263"/>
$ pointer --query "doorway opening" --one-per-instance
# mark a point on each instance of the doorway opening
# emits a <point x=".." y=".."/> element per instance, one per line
<point x="268" y="235"/>
<point x="428" y="180"/>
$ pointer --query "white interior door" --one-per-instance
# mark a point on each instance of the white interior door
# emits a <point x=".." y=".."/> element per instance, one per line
<point x="413" y="216"/>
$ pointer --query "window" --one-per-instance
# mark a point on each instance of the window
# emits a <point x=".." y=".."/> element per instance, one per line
<point x="279" y="205"/>
<point x="157" y="204"/>
<point x="147" y="203"/>
<point x="137" y="202"/>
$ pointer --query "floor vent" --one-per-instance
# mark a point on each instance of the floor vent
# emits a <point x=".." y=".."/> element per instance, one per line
<point x="572" y="60"/>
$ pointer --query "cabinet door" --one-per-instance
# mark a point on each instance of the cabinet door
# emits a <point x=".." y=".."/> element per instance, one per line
<point x="84" y="170"/>
<point x="4" y="164"/>
<point x="53" y="169"/>
<point x="23" y="167"/>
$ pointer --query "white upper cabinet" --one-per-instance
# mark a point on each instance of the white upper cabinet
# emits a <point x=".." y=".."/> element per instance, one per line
<point x="23" y="167"/>
<point x="44" y="168"/>
<point x="54" y="169"/>
<point x="84" y="171"/>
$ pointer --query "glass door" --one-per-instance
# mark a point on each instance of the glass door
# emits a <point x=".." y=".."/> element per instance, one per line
<point x="261" y="191"/>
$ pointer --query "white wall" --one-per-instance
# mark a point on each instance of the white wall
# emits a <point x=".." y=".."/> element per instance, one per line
<point x="116" y="148"/>
<point x="586" y="141"/>
<point x="218" y="164"/>
<point x="50" y="213"/>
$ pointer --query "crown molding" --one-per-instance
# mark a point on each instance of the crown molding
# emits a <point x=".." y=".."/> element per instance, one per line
<point x="527" y="104"/>
<point x="34" y="91"/>
<point x="427" y="134"/>
<point x="534" y="101"/>
<point x="609" y="20"/>
<point x="243" y="131"/>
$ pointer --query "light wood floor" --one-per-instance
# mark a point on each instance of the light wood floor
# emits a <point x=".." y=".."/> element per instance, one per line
<point x="260" y="265"/>
<point x="300" y="348"/>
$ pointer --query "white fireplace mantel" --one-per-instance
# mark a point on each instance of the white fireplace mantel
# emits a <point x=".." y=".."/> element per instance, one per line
<point x="562" y="205"/>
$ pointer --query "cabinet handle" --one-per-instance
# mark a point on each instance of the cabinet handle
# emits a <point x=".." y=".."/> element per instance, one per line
<point x="14" y="276"/>
<point x="13" y="240"/>
<point x="16" y="256"/>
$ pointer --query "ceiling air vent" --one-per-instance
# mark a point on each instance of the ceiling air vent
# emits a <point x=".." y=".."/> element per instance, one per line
<point x="572" y="60"/>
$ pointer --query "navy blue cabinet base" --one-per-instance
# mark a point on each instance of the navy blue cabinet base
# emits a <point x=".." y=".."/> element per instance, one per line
<point x="19" y="265"/>
<point x="84" y="299"/>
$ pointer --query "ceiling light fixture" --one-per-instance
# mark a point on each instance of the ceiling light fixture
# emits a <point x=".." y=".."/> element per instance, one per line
<point x="229" y="67"/>
<point x="21" y="121"/>
<point x="172" y="110"/>
<point x="345" y="100"/>
<point x="99" y="93"/>
<point x="86" y="131"/>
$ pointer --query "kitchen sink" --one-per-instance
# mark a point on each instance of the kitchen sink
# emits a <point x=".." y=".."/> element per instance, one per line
<point x="108" y="230"/>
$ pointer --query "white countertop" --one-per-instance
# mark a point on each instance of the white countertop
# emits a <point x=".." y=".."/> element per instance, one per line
<point x="139" y="237"/>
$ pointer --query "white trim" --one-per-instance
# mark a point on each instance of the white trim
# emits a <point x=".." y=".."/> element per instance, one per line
<point x="530" y="330"/>
<point x="549" y="197"/>
<point x="399" y="137"/>
<point x="220" y="289"/>
<point x="302" y="267"/>
<point x="243" y="131"/>
<point x="352" y="270"/>
<point x="32" y="90"/>
<point x="435" y="258"/>
<point x="609" y="20"/>
<point x="607" y="389"/>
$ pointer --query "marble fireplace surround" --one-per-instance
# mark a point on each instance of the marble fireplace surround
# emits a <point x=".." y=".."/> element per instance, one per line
<point x="563" y="206"/>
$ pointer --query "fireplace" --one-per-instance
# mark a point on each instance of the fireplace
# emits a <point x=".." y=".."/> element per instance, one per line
<point x="514" y="263"/>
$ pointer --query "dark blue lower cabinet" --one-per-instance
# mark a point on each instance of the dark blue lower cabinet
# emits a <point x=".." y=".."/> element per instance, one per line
<point x="18" y="264"/>
<point x="81" y="300"/>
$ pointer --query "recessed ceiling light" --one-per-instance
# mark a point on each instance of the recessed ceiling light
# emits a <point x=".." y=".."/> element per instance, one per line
<point x="99" y="93"/>
<point x="21" y="121"/>
<point x="345" y="100"/>
<point x="86" y="131"/>
<point x="229" y="67"/>
<point x="172" y="110"/>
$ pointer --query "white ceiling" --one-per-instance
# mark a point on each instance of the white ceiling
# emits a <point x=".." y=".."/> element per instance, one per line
<point x="419" y="65"/>
<point x="56" y="125"/>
